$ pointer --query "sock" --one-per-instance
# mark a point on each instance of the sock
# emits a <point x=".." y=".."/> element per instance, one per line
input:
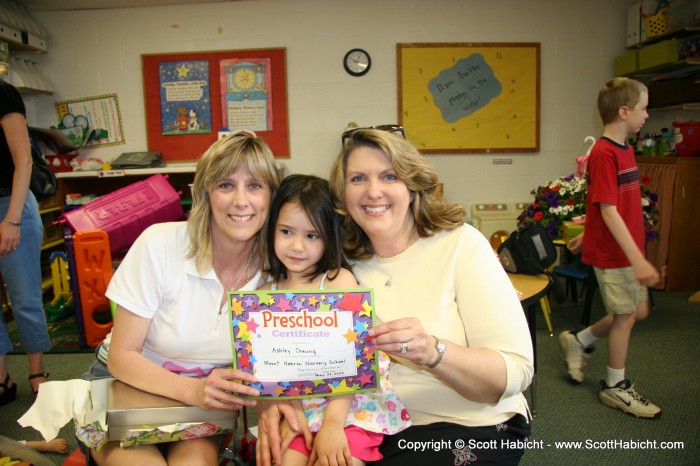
<point x="615" y="376"/>
<point x="585" y="337"/>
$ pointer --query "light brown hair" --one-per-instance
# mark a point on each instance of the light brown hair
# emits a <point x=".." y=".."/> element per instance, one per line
<point x="616" y="93"/>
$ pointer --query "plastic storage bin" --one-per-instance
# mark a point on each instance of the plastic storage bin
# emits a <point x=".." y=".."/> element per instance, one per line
<point x="627" y="63"/>
<point x="689" y="145"/>
<point x="658" y="54"/>
<point x="125" y="213"/>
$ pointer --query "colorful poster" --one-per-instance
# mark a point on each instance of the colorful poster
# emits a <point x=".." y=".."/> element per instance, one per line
<point x="246" y="94"/>
<point x="91" y="122"/>
<point x="302" y="344"/>
<point x="185" y="105"/>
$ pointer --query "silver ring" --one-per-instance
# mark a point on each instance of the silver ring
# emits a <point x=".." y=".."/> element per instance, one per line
<point x="404" y="348"/>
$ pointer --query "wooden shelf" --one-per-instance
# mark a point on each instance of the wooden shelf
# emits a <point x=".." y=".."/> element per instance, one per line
<point x="169" y="168"/>
<point x="52" y="244"/>
<point x="48" y="210"/>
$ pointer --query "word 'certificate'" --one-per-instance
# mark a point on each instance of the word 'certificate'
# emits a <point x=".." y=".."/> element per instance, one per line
<point x="301" y="344"/>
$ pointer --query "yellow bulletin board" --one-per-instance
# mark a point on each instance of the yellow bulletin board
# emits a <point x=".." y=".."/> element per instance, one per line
<point x="472" y="97"/>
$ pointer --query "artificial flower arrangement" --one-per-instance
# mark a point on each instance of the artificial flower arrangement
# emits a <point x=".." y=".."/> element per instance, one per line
<point x="563" y="199"/>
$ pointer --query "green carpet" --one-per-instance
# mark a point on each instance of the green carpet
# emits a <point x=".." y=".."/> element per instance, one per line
<point x="63" y="334"/>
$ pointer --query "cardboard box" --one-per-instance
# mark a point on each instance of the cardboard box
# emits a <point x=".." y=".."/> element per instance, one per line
<point x="634" y="24"/>
<point x="130" y="409"/>
<point x="662" y="53"/>
<point x="627" y="63"/>
<point x="10" y="34"/>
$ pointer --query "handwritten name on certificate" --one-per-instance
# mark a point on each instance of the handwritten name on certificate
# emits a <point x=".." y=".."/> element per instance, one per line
<point x="301" y="344"/>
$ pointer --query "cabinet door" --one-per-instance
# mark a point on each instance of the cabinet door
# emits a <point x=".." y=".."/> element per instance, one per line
<point x="684" y="250"/>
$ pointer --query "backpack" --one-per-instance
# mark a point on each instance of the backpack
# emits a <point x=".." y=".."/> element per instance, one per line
<point x="529" y="251"/>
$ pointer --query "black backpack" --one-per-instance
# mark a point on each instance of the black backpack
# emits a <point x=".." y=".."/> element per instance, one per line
<point x="530" y="251"/>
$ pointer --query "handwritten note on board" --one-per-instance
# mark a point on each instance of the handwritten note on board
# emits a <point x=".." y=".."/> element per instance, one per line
<point x="464" y="88"/>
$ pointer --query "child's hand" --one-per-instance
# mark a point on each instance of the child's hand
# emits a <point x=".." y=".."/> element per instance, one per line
<point x="330" y="447"/>
<point x="646" y="273"/>
<point x="575" y="244"/>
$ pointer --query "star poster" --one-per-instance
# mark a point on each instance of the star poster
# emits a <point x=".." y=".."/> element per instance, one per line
<point x="185" y="103"/>
<point x="302" y="344"/>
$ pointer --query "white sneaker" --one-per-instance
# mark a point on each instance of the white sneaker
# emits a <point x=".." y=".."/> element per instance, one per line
<point x="624" y="397"/>
<point x="575" y="355"/>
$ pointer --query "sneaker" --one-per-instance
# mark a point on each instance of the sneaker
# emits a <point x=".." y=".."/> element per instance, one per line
<point x="624" y="397"/>
<point x="575" y="355"/>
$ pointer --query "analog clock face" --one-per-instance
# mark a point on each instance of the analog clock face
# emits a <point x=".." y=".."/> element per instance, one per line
<point x="357" y="62"/>
<point x="244" y="78"/>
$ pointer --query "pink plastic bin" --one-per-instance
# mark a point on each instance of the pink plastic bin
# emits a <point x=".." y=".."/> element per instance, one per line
<point x="125" y="213"/>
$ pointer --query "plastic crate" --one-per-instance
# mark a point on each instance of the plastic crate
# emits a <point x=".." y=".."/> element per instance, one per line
<point x="655" y="25"/>
<point x="125" y="213"/>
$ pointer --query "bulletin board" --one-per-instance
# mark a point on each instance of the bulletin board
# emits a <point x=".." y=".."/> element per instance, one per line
<point x="190" y="96"/>
<point x="470" y="97"/>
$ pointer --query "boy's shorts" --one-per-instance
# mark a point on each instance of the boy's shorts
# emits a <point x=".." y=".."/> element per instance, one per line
<point x="621" y="292"/>
<point x="363" y="445"/>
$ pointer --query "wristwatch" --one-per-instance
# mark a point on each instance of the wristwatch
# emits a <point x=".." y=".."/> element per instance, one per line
<point x="440" y="347"/>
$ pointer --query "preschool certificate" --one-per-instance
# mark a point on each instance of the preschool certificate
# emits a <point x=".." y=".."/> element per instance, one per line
<point x="302" y="344"/>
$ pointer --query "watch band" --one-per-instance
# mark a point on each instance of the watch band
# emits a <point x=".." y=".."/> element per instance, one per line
<point x="14" y="224"/>
<point x="440" y="347"/>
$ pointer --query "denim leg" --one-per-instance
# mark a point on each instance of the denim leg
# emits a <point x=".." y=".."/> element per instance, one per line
<point x="21" y="272"/>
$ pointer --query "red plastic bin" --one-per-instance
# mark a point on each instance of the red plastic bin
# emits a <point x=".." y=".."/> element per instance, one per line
<point x="125" y="213"/>
<point x="690" y="144"/>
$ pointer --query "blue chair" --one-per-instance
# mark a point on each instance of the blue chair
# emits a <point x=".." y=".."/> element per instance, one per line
<point x="575" y="272"/>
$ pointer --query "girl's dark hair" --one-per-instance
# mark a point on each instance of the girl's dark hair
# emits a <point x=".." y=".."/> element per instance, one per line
<point x="312" y="194"/>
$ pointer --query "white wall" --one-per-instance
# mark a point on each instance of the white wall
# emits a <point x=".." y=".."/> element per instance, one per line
<point x="95" y="52"/>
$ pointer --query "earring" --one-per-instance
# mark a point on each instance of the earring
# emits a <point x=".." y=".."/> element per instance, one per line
<point x="413" y="196"/>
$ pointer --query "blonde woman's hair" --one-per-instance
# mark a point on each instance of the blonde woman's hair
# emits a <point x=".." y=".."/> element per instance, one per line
<point x="431" y="212"/>
<point x="237" y="151"/>
<point x="616" y="93"/>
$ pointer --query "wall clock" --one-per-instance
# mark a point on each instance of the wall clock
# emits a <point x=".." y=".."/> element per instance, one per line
<point x="357" y="62"/>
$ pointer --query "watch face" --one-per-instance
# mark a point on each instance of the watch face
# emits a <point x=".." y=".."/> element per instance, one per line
<point x="357" y="62"/>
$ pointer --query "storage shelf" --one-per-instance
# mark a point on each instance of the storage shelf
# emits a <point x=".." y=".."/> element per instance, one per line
<point x="48" y="210"/>
<point x="681" y="33"/>
<point x="169" y="168"/>
<point x="52" y="244"/>
<point x="688" y="106"/>
<point x="32" y="91"/>
<point x="672" y="70"/>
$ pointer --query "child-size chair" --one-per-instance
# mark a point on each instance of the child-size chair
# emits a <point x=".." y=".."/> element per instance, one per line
<point x="496" y="240"/>
<point x="575" y="272"/>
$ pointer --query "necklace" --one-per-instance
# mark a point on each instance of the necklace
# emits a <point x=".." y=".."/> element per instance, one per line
<point x="244" y="274"/>
<point x="389" y="283"/>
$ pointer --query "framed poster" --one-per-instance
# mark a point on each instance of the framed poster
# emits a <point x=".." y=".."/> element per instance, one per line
<point x="302" y="344"/>
<point x="190" y="96"/>
<point x="470" y="97"/>
<point x="91" y="122"/>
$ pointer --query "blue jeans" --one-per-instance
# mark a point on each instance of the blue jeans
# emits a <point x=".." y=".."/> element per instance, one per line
<point x="21" y="272"/>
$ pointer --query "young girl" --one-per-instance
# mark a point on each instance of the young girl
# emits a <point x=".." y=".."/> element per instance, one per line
<point x="305" y="252"/>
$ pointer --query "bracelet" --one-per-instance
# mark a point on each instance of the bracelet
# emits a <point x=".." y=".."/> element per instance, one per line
<point x="14" y="224"/>
<point x="440" y="347"/>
